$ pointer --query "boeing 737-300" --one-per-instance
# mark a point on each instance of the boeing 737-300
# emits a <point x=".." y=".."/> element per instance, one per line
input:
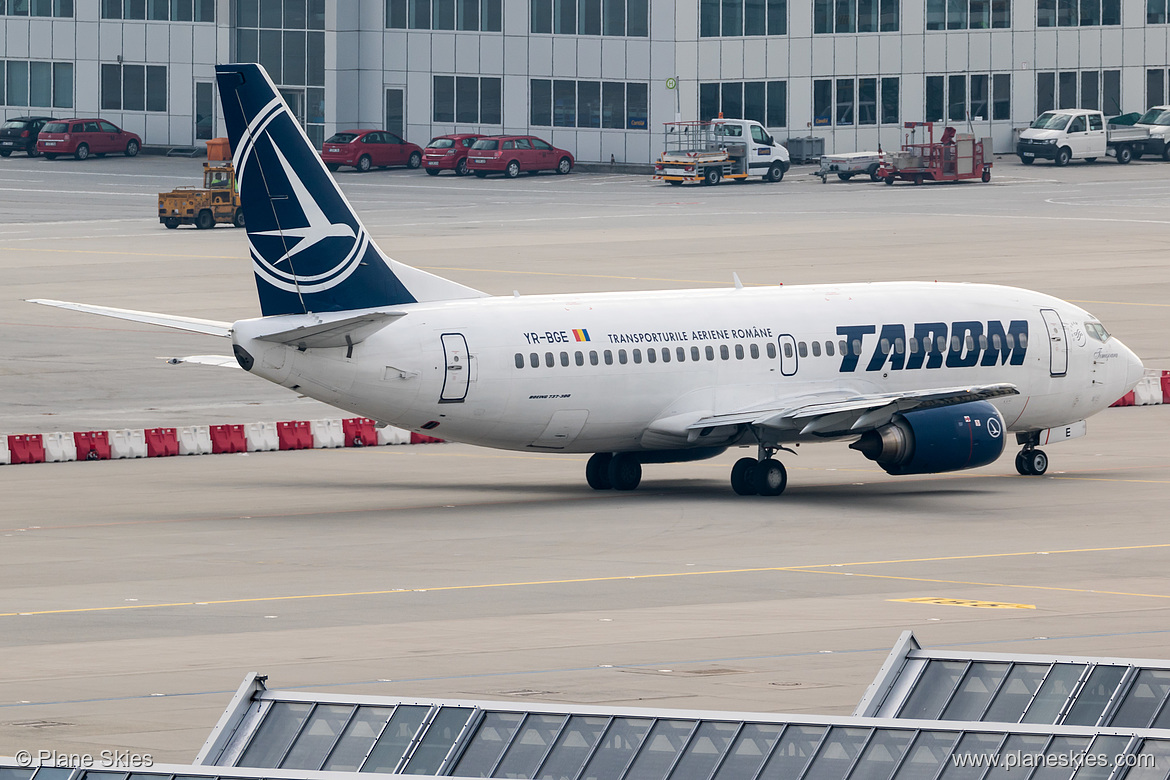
<point x="919" y="377"/>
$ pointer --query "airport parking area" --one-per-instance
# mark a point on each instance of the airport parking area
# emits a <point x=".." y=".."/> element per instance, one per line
<point x="136" y="594"/>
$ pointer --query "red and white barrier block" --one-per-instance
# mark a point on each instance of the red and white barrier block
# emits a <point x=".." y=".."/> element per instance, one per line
<point x="202" y="440"/>
<point x="1154" y="388"/>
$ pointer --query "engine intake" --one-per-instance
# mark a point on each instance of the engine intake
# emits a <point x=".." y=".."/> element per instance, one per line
<point x="930" y="441"/>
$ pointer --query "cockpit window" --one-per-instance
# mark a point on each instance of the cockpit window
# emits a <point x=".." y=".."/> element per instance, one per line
<point x="1097" y="331"/>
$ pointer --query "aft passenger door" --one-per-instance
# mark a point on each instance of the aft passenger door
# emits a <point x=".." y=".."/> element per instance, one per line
<point x="1057" y="342"/>
<point x="457" y="372"/>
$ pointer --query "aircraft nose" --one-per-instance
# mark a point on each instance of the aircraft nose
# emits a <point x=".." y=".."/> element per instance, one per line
<point x="1134" y="370"/>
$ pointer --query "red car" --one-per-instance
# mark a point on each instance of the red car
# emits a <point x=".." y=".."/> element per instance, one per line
<point x="448" y="153"/>
<point x="366" y="149"/>
<point x="83" y="137"/>
<point x="510" y="154"/>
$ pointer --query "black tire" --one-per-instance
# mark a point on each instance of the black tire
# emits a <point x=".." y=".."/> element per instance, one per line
<point x="32" y="151"/>
<point x="332" y="167"/>
<point x="1027" y="160"/>
<point x="432" y="171"/>
<point x="712" y="176"/>
<point x="1036" y="461"/>
<point x="873" y="172"/>
<point x="99" y="155"/>
<point x="844" y="176"/>
<point x="674" y="182"/>
<point x="1137" y="153"/>
<point x="50" y="156"/>
<point x="742" y="473"/>
<point x="986" y="177"/>
<point x="238" y="218"/>
<point x="625" y="472"/>
<point x="415" y="160"/>
<point x="364" y="163"/>
<point x="1166" y="152"/>
<point x="918" y="179"/>
<point x="513" y="170"/>
<point x="481" y="174"/>
<point x="82" y="152"/>
<point x="597" y="471"/>
<point x="205" y="220"/>
<point x="9" y="154"/>
<point x="564" y="166"/>
<point x="770" y="477"/>
<point x="1022" y="464"/>
<point x="1124" y="155"/>
<point x="775" y="172"/>
<point x="461" y="167"/>
<point x="890" y="179"/>
<point x="1094" y="159"/>
<point x="1063" y="156"/>
<point x="171" y="222"/>
<point x="132" y="148"/>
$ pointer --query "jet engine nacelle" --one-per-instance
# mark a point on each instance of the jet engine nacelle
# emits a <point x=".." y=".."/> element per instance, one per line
<point x="928" y="441"/>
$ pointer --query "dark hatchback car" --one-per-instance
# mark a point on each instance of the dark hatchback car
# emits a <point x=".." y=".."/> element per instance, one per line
<point x="19" y="134"/>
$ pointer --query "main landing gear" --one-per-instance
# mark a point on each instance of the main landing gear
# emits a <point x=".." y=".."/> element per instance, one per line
<point x="1031" y="462"/>
<point x="607" y="471"/>
<point x="759" y="476"/>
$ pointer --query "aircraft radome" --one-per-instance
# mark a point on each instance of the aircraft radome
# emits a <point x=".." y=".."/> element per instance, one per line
<point x="919" y="377"/>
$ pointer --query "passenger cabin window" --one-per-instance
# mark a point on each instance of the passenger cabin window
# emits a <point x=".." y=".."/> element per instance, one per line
<point x="592" y="358"/>
<point x="548" y="359"/>
<point x="829" y="348"/>
<point x="564" y="358"/>
<point x="637" y="355"/>
<point x="787" y="350"/>
<point x="519" y="360"/>
<point x="710" y="353"/>
<point x="622" y="356"/>
<point x="609" y="358"/>
<point x="816" y="349"/>
<point x="899" y="346"/>
<point x="534" y="360"/>
<point x="844" y="346"/>
<point x="579" y="358"/>
<point x="755" y="351"/>
<point x="723" y="352"/>
<point x="651" y="355"/>
<point x="665" y="354"/>
<point x="771" y="350"/>
<point x="695" y="354"/>
<point x="739" y="351"/>
<point x="681" y="354"/>
<point x="802" y="349"/>
<point x="913" y="345"/>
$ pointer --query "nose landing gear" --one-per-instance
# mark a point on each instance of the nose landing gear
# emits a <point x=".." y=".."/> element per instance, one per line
<point x="760" y="476"/>
<point x="1031" y="462"/>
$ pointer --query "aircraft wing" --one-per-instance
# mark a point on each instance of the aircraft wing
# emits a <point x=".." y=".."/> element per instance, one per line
<point x="850" y="415"/>
<point x="190" y="324"/>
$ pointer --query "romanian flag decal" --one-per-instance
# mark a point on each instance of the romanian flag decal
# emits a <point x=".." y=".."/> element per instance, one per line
<point x="580" y="334"/>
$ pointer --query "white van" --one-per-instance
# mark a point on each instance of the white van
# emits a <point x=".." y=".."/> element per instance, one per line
<point x="1077" y="134"/>
<point x="1156" y="122"/>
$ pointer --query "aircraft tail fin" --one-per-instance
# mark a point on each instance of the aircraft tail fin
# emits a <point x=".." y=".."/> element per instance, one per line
<point x="309" y="249"/>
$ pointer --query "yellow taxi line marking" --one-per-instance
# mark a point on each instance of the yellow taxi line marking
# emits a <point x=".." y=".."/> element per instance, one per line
<point x="807" y="569"/>
<point x="942" y="601"/>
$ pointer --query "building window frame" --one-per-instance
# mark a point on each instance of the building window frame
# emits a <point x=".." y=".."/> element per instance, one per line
<point x="857" y="101"/>
<point x="856" y="16"/>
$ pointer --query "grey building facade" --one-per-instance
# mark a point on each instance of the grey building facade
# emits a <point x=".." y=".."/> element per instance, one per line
<point x="595" y="76"/>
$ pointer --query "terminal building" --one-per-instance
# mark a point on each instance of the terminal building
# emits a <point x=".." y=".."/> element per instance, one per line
<point x="597" y="77"/>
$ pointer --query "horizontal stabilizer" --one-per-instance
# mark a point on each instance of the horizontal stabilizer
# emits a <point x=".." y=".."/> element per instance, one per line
<point x="223" y="361"/>
<point x="190" y="324"/>
<point x="334" y="333"/>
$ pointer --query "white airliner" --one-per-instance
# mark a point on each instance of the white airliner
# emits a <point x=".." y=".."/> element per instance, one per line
<point x="919" y="377"/>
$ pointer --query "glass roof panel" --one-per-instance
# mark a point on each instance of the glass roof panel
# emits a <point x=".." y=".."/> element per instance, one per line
<point x="1099" y="763"/>
<point x="438" y="741"/>
<point x="98" y="775"/>
<point x="932" y="690"/>
<point x="573" y="747"/>
<point x="837" y="753"/>
<point x="359" y="736"/>
<point x="15" y="774"/>
<point x="487" y="745"/>
<point x="1061" y="758"/>
<point x="1016" y="691"/>
<point x="1054" y="693"/>
<point x="1011" y="756"/>
<point x="617" y="747"/>
<point x="793" y="752"/>
<point x="975" y="692"/>
<point x="927" y="755"/>
<point x="882" y="755"/>
<point x="969" y="759"/>
<point x="54" y="773"/>
<point x="1144" y="698"/>
<point x="660" y="749"/>
<point x="155" y="775"/>
<point x="706" y="748"/>
<point x="395" y="738"/>
<point x="1152" y="761"/>
<point x="1094" y="695"/>
<point x="747" y="754"/>
<point x="281" y="723"/>
<point x="317" y="737"/>
<point x="530" y="745"/>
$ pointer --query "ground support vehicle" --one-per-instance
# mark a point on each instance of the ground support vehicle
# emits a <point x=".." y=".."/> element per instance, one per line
<point x="1079" y="134"/>
<point x="848" y="165"/>
<point x="1156" y="122"/>
<point x="955" y="157"/>
<point x="19" y="134"/>
<point x="709" y="152"/>
<point x="217" y="200"/>
<point x="85" y="137"/>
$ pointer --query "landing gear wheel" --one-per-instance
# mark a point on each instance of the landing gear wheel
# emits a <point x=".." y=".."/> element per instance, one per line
<point x="625" y="472"/>
<point x="238" y="218"/>
<point x="770" y="477"/>
<point x="364" y="163"/>
<point x="776" y="172"/>
<point x="171" y="222"/>
<point x="1032" y="463"/>
<point x="741" y="477"/>
<point x="205" y="220"/>
<point x="597" y="471"/>
<point x="415" y="160"/>
<point x="712" y="176"/>
<point x="461" y="167"/>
